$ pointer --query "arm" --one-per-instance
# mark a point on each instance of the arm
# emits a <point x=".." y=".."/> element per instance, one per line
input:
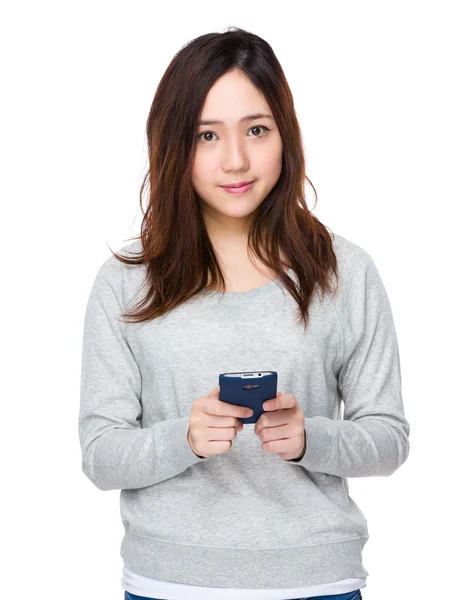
<point x="117" y="453"/>
<point x="372" y="439"/>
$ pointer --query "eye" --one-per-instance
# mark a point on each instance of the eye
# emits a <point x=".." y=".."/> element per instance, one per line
<point x="253" y="127"/>
<point x="260" y="127"/>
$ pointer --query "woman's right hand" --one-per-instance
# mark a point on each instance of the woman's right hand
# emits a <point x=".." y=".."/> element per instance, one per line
<point x="213" y="424"/>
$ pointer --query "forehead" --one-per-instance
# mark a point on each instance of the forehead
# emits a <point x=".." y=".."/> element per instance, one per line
<point x="245" y="119"/>
<point x="233" y="99"/>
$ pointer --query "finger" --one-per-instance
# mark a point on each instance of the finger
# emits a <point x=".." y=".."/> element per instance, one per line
<point x="282" y="401"/>
<point x="226" y="409"/>
<point x="272" y="421"/>
<point x="278" y="446"/>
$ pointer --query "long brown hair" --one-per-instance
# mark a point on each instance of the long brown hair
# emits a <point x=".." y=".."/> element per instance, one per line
<point x="176" y="249"/>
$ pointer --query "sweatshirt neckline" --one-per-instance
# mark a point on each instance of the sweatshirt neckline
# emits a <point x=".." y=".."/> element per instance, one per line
<point x="250" y="294"/>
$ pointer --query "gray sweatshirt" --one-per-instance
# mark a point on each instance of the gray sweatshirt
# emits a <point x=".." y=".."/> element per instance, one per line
<point x="245" y="518"/>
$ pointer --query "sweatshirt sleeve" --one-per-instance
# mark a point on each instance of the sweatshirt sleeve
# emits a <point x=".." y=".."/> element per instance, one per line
<point x="372" y="439"/>
<point x="117" y="453"/>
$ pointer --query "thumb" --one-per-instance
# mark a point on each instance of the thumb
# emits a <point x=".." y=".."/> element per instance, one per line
<point x="279" y="394"/>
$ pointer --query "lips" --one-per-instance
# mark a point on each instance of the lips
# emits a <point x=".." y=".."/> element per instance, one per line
<point x="237" y="185"/>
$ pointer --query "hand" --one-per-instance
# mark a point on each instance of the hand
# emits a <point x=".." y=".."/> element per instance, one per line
<point x="213" y="424"/>
<point x="282" y="430"/>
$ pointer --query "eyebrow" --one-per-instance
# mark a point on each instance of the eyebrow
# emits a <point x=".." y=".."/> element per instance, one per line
<point x="244" y="119"/>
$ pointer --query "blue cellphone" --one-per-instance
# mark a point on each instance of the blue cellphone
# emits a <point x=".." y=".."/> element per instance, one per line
<point x="250" y="389"/>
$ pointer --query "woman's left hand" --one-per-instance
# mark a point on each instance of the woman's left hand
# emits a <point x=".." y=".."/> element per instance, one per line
<point x="282" y="430"/>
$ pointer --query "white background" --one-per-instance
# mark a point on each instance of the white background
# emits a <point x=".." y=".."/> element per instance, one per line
<point x="383" y="95"/>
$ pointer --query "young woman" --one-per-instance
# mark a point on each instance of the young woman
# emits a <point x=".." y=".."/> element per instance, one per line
<point x="222" y="279"/>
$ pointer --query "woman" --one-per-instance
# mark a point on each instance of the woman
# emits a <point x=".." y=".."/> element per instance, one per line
<point x="212" y="508"/>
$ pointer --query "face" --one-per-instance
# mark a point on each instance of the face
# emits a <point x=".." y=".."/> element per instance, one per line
<point x="235" y="150"/>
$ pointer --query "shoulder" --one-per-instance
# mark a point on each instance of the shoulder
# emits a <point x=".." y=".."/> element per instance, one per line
<point x="116" y="273"/>
<point x="349" y="255"/>
<point x="359" y="280"/>
<point x="353" y="264"/>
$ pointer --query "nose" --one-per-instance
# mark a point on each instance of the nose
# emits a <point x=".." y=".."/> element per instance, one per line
<point x="235" y="157"/>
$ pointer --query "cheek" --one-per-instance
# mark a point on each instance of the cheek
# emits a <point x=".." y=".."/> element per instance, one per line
<point x="270" y="164"/>
<point x="203" y="171"/>
<point x="197" y="169"/>
<point x="270" y="160"/>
